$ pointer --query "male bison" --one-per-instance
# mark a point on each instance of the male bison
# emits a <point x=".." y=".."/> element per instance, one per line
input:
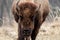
<point x="29" y="14"/>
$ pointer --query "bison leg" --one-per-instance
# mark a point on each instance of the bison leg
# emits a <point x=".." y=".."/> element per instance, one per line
<point x="36" y="29"/>
<point x="37" y="25"/>
<point x="20" y="38"/>
<point x="28" y="38"/>
<point x="34" y="33"/>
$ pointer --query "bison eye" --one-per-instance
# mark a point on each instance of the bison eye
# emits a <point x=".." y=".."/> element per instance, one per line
<point x="21" y="17"/>
<point x="32" y="18"/>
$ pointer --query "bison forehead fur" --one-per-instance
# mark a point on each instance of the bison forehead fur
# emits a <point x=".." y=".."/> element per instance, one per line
<point x="27" y="9"/>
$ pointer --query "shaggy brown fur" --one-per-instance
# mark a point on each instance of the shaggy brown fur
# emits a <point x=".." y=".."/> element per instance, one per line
<point x="29" y="16"/>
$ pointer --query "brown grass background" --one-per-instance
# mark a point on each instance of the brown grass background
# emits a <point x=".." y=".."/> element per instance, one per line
<point x="50" y="29"/>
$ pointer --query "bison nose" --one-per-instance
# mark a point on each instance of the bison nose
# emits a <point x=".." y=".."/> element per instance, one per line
<point x="27" y="32"/>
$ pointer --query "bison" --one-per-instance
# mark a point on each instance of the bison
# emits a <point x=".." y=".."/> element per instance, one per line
<point x="29" y="14"/>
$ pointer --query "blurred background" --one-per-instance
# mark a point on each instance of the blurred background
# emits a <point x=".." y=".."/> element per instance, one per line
<point x="50" y="29"/>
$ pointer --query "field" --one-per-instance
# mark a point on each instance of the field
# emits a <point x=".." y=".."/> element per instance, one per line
<point x="50" y="29"/>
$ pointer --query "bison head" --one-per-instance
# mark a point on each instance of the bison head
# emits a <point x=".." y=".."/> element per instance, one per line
<point x="25" y="17"/>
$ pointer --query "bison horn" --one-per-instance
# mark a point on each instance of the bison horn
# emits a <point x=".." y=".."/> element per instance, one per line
<point x="38" y="8"/>
<point x="17" y="7"/>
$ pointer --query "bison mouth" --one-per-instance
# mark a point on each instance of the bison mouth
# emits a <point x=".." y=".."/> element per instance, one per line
<point x="26" y="32"/>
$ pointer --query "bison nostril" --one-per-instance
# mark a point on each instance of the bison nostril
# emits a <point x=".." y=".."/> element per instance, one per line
<point x="27" y="23"/>
<point x="26" y="32"/>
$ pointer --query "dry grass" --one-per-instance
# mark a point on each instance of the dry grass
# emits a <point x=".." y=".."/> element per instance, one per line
<point x="48" y="31"/>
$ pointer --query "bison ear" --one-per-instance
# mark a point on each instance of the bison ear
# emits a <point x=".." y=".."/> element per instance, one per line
<point x="45" y="15"/>
<point x="16" y="17"/>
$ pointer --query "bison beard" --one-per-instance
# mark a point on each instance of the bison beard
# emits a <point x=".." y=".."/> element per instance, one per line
<point x="29" y="19"/>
